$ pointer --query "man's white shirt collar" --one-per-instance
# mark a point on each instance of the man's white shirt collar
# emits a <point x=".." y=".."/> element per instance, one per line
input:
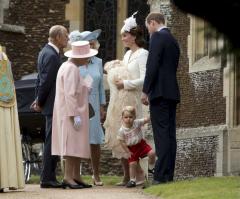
<point x="162" y="28"/>
<point x="54" y="46"/>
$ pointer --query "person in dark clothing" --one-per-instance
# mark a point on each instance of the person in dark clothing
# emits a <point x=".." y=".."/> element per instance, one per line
<point x="161" y="91"/>
<point x="49" y="61"/>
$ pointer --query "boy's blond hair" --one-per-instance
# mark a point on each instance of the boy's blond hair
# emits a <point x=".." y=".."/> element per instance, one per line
<point x="129" y="109"/>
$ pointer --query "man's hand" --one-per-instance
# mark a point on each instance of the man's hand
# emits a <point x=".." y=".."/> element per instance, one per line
<point x="144" y="99"/>
<point x="129" y="154"/>
<point x="119" y="84"/>
<point x="77" y="122"/>
<point x="34" y="106"/>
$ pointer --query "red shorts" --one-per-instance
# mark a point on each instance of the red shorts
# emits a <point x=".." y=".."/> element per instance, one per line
<point x="139" y="150"/>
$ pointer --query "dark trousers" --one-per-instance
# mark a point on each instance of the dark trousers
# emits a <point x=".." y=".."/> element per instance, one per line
<point x="49" y="161"/>
<point x="163" y="118"/>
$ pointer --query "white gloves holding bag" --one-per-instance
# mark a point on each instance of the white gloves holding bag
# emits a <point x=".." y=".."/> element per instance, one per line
<point x="77" y="122"/>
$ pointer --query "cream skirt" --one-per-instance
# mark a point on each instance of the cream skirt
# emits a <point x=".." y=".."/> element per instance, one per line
<point x="11" y="164"/>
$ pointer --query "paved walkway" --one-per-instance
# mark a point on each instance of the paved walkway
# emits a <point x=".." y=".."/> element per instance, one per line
<point x="105" y="192"/>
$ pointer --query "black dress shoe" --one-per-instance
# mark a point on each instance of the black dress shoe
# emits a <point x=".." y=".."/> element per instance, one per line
<point x="50" y="184"/>
<point x="1" y="190"/>
<point x="83" y="184"/>
<point x="156" y="182"/>
<point x="131" y="184"/>
<point x="66" y="185"/>
<point x="152" y="171"/>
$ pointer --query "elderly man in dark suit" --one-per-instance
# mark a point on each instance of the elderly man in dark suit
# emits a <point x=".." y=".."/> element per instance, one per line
<point x="49" y="62"/>
<point x="161" y="91"/>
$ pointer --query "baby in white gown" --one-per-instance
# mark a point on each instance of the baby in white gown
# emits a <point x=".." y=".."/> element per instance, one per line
<point x="118" y="99"/>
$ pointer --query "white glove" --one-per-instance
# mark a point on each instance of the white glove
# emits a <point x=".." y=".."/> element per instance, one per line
<point x="88" y="81"/>
<point x="77" y="122"/>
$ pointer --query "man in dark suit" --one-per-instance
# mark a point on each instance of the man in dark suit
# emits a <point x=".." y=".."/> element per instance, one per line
<point x="161" y="91"/>
<point x="49" y="61"/>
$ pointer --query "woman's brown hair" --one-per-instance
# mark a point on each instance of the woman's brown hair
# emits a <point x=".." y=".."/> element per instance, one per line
<point x="138" y="33"/>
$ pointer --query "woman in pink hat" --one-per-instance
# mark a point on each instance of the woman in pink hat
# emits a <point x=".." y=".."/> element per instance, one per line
<point x="96" y="98"/>
<point x="70" y="131"/>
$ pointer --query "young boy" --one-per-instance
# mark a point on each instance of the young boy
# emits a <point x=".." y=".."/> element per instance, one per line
<point x="131" y="138"/>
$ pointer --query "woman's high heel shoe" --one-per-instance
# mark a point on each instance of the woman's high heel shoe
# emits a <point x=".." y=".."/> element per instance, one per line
<point x="85" y="185"/>
<point x="66" y="184"/>
<point x="12" y="188"/>
<point x="97" y="183"/>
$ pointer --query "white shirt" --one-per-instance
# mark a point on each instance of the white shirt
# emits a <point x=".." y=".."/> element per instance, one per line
<point x="132" y="135"/>
<point x="161" y="28"/>
<point x="54" y="46"/>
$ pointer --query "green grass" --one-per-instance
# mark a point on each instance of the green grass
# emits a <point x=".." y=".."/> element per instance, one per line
<point x="107" y="180"/>
<point x="201" y="188"/>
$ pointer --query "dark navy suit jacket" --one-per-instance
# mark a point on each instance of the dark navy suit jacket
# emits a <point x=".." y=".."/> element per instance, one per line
<point x="48" y="64"/>
<point x="161" y="68"/>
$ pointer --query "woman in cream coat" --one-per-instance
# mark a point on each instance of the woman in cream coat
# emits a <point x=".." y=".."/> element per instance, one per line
<point x="11" y="162"/>
<point x="125" y="90"/>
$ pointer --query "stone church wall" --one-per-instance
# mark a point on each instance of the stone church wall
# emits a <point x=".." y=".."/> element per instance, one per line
<point x="36" y="17"/>
<point x="202" y="107"/>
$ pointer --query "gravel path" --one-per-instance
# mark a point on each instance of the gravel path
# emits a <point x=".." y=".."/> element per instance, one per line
<point x="105" y="192"/>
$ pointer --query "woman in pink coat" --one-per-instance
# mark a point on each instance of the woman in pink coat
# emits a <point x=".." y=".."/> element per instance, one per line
<point x="70" y="136"/>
